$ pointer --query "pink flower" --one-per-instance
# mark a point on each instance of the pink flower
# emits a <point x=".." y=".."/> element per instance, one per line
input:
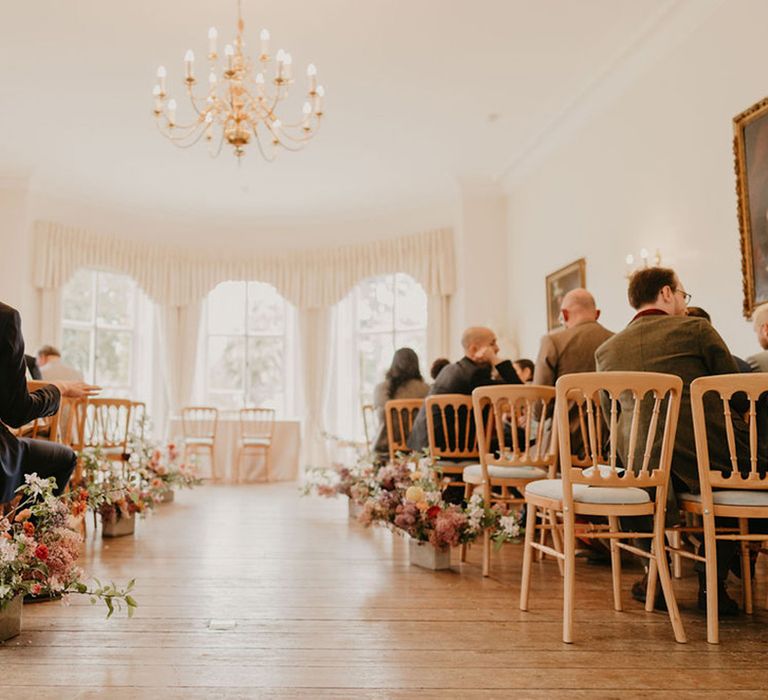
<point x="36" y="588"/>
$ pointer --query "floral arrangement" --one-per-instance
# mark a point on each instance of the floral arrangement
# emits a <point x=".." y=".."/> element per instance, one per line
<point x="39" y="547"/>
<point x="405" y="496"/>
<point x="161" y="470"/>
<point x="113" y="489"/>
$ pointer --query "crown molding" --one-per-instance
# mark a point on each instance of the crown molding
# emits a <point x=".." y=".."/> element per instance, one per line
<point x="660" y="34"/>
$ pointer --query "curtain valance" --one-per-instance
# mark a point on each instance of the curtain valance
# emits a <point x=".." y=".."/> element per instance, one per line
<point x="307" y="278"/>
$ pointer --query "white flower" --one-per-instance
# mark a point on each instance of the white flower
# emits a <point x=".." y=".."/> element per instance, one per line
<point x="36" y="484"/>
<point x="509" y="526"/>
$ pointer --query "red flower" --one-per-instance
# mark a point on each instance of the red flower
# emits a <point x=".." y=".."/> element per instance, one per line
<point x="433" y="512"/>
<point x="29" y="528"/>
<point x="36" y="588"/>
<point x="41" y="552"/>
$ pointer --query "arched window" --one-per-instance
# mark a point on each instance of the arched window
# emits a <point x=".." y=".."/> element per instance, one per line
<point x="245" y="350"/>
<point x="99" y="328"/>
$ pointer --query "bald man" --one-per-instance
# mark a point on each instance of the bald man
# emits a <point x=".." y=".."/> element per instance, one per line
<point x="759" y="361"/>
<point x="481" y="355"/>
<point x="571" y="349"/>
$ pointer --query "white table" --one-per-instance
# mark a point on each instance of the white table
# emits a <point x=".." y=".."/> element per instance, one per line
<point x="283" y="459"/>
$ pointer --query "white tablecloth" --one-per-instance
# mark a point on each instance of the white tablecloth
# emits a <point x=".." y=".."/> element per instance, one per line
<point x="283" y="459"/>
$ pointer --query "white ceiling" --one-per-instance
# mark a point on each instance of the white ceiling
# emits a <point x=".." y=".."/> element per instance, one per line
<point x="410" y="86"/>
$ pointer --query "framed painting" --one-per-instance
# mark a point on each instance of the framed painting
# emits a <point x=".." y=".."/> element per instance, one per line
<point x="559" y="283"/>
<point x="750" y="149"/>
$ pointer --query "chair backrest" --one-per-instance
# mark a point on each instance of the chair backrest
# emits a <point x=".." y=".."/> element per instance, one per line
<point x="451" y="426"/>
<point x="516" y="416"/>
<point x="199" y="421"/>
<point x="641" y="411"/>
<point x="138" y="419"/>
<point x="46" y="428"/>
<point x="257" y="423"/>
<point x="739" y="405"/>
<point x="399" y="415"/>
<point x="369" y="420"/>
<point x="106" y="424"/>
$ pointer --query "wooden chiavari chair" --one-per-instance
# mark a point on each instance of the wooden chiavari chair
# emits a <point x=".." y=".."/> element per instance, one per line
<point x="257" y="425"/>
<point x="508" y="466"/>
<point x="452" y="435"/>
<point x="734" y="490"/>
<point x="199" y="425"/>
<point x="369" y="423"/>
<point x="106" y="425"/>
<point x="46" y="428"/>
<point x="650" y="403"/>
<point x="399" y="415"/>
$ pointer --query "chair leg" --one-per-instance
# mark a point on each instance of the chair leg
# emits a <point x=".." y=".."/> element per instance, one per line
<point x="486" y="552"/>
<point x="530" y="532"/>
<point x="267" y="465"/>
<point x="710" y="552"/>
<point x="237" y="465"/>
<point x="675" y="541"/>
<point x="542" y="536"/>
<point x="213" y="464"/>
<point x="557" y="541"/>
<point x="463" y="547"/>
<point x="569" y="593"/>
<point x="746" y="568"/>
<point x="613" y="523"/>
<point x="660" y="554"/>
<point x="650" y="589"/>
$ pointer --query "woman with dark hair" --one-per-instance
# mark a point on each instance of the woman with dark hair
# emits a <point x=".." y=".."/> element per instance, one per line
<point x="402" y="381"/>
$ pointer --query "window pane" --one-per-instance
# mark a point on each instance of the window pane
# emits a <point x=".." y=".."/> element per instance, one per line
<point x="375" y="356"/>
<point x="376" y="301"/>
<point x="226" y="400"/>
<point x="226" y="309"/>
<point x="266" y="309"/>
<point x="77" y="297"/>
<point x="115" y="298"/>
<point x="265" y="372"/>
<point x="411" y="303"/>
<point x="113" y="358"/>
<point x="225" y="363"/>
<point x="76" y="349"/>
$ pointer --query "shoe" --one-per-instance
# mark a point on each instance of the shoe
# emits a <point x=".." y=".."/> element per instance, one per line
<point x="639" y="589"/>
<point x="726" y="606"/>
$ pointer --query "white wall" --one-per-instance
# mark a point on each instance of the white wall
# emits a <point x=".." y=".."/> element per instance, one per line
<point x="653" y="170"/>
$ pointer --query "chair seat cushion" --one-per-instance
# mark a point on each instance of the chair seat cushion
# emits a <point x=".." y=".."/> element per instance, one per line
<point x="473" y="474"/>
<point x="256" y="441"/>
<point x="448" y="464"/>
<point x="732" y="497"/>
<point x="553" y="488"/>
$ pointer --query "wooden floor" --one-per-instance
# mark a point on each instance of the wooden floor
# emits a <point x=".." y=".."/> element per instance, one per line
<point x="327" y="609"/>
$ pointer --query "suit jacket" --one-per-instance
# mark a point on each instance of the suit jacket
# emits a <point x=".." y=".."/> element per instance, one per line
<point x="690" y="348"/>
<point x="759" y="361"/>
<point x="17" y="405"/>
<point x="412" y="389"/>
<point x="568" y="351"/>
<point x="461" y="377"/>
<point x="33" y="367"/>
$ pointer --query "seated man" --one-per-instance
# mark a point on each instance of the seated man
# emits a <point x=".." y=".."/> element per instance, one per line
<point x="662" y="338"/>
<point x="572" y="349"/>
<point x="759" y="361"/>
<point x="473" y="370"/>
<point x="53" y="367"/>
<point x="20" y="456"/>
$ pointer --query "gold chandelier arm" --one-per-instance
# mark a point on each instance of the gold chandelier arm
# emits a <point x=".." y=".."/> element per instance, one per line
<point x="268" y="158"/>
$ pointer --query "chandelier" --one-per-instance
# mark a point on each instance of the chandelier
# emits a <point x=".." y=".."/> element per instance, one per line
<point x="241" y="103"/>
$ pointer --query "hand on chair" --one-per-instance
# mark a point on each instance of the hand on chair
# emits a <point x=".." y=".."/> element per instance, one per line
<point x="76" y="389"/>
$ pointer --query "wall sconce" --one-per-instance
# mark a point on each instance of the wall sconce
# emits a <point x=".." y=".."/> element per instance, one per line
<point x="645" y="261"/>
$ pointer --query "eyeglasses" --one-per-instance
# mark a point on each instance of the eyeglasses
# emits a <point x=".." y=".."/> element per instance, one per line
<point x="686" y="296"/>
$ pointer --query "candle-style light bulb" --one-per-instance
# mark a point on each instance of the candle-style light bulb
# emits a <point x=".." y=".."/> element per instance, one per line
<point x="161" y="75"/>
<point x="189" y="59"/>
<point x="630" y="259"/>
<point x="264" y="38"/>
<point x="212" y="36"/>
<point x="312" y="75"/>
<point x="229" y="52"/>
<point x="311" y="70"/>
<point x="644" y="256"/>
<point x="171" y="112"/>
<point x="307" y="109"/>
<point x="288" y="63"/>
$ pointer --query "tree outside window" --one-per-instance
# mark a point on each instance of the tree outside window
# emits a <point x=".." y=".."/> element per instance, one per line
<point x="390" y="313"/>
<point x="98" y="325"/>
<point x="246" y="346"/>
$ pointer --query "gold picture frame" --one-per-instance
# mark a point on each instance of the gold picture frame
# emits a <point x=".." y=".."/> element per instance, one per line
<point x="559" y="283"/>
<point x="750" y="151"/>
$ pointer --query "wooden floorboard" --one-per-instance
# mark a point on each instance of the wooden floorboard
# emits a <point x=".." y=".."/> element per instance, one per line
<point x="327" y="609"/>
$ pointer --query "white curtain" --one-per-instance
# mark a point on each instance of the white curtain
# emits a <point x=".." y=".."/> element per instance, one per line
<point x="180" y="338"/>
<point x="306" y="278"/>
<point x="438" y="326"/>
<point x="315" y="333"/>
<point x="50" y="316"/>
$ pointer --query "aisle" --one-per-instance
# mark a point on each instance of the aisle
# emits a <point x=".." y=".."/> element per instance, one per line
<point x="327" y="609"/>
